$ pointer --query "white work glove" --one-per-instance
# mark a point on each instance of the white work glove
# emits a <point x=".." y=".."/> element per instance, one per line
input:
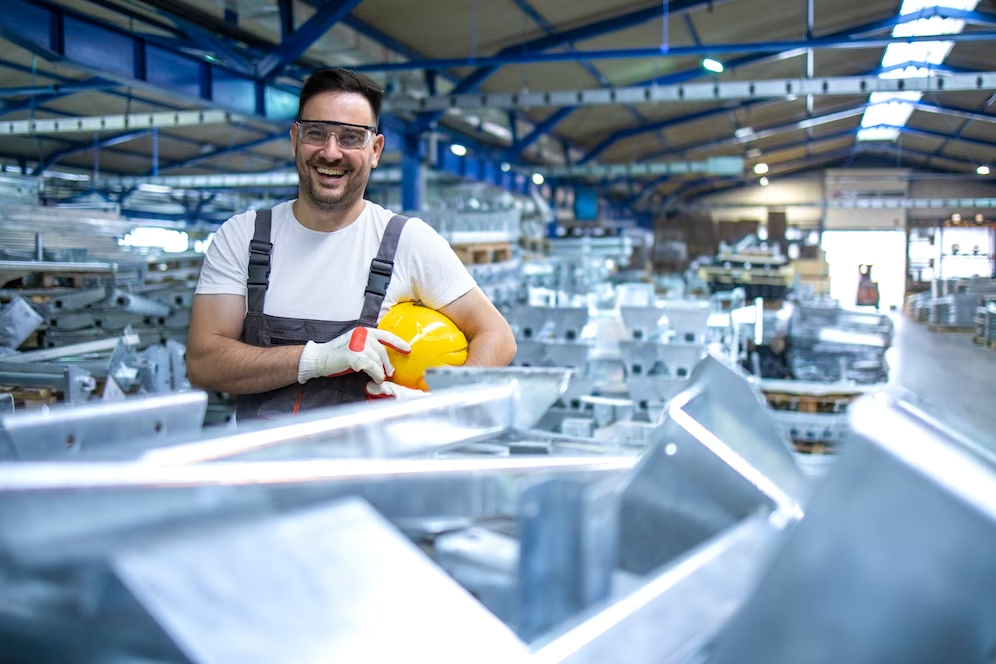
<point x="388" y="390"/>
<point x="360" y="349"/>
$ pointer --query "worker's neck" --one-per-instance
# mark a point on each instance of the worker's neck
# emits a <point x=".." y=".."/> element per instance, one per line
<point x="327" y="221"/>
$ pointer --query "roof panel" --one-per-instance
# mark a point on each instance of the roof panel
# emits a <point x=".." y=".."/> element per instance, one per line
<point x="545" y="77"/>
<point x="772" y="115"/>
<point x="453" y="28"/>
<point x="919" y="143"/>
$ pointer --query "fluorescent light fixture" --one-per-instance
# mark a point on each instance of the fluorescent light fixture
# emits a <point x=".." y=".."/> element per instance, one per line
<point x="154" y="188"/>
<point x="982" y="170"/>
<point x="168" y="240"/>
<point x="761" y="168"/>
<point x="712" y="65"/>
<point x="538" y="178"/>
<point x="763" y="182"/>
<point x="505" y="167"/>
<point x="458" y="149"/>
<point x="743" y="132"/>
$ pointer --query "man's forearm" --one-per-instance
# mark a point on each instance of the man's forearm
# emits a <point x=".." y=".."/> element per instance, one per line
<point x="228" y="365"/>
<point x="493" y="348"/>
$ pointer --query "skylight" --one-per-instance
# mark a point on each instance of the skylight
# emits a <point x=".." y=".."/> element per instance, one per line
<point x="891" y="110"/>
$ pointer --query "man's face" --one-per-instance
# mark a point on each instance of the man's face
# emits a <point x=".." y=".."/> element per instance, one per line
<point x="330" y="177"/>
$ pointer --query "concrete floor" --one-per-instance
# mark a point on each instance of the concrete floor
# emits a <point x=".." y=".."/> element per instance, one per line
<point x="954" y="378"/>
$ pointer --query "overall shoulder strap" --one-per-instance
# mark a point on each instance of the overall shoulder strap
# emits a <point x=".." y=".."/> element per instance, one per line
<point x="381" y="268"/>
<point x="260" y="249"/>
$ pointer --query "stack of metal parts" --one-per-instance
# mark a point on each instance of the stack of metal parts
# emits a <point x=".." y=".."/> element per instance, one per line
<point x="157" y="313"/>
<point x="958" y="308"/>
<point x="626" y="364"/>
<point x="830" y="344"/>
<point x="153" y="541"/>
<point x="985" y="324"/>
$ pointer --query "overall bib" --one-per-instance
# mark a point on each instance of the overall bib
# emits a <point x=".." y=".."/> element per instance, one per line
<point x="266" y="331"/>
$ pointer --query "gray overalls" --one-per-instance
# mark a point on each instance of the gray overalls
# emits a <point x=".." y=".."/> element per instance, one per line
<point x="260" y="329"/>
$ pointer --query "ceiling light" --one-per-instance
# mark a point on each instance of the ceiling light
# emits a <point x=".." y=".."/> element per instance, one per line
<point x="743" y="132"/>
<point x="505" y="167"/>
<point x="458" y="149"/>
<point x="753" y="153"/>
<point x="764" y="182"/>
<point x="537" y="178"/>
<point x="956" y="217"/>
<point x="982" y="170"/>
<point x="712" y="65"/>
<point x="979" y="218"/>
<point x="761" y="168"/>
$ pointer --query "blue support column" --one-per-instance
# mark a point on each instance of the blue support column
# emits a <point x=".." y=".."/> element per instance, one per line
<point x="411" y="173"/>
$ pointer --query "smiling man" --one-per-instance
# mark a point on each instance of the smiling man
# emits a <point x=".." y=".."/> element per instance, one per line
<point x="286" y="309"/>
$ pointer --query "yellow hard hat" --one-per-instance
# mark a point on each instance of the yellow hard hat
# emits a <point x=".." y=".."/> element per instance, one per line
<point x="434" y="339"/>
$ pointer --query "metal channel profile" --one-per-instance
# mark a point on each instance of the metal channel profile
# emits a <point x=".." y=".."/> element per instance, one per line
<point x="675" y="613"/>
<point x="401" y="428"/>
<point x="712" y="92"/>
<point x="895" y="560"/>
<point x="93" y="427"/>
<point x="54" y="513"/>
<point x="537" y="388"/>
<point x="114" y="122"/>
<point x="718" y="458"/>
<point x="75" y="350"/>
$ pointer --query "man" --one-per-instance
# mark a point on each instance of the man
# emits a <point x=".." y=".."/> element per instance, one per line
<point x="286" y="309"/>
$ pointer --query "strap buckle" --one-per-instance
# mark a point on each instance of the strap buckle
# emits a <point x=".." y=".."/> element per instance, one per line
<point x="259" y="262"/>
<point x="380" y="277"/>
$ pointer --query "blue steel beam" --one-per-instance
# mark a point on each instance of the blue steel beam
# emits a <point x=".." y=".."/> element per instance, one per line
<point x="540" y="130"/>
<point x="666" y="124"/>
<point x="687" y="75"/>
<point x="292" y="48"/>
<point x="924" y="133"/>
<point x="118" y="139"/>
<point x="286" y="10"/>
<point x="819" y="43"/>
<point x="761" y="134"/>
<point x="224" y="152"/>
<point x="928" y="107"/>
<point x="57" y="88"/>
<point x="61" y="35"/>
<point x="516" y="149"/>
<point x="589" y="31"/>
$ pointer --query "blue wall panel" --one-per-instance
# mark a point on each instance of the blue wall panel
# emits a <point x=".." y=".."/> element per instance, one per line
<point x="280" y="105"/>
<point x="32" y="24"/>
<point x="173" y="72"/>
<point x="233" y="92"/>
<point x="99" y="47"/>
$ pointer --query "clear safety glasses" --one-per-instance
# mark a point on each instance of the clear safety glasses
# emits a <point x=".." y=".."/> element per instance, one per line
<point x="347" y="136"/>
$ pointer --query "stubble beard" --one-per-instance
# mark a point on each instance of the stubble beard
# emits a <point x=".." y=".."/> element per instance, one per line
<point x="356" y="183"/>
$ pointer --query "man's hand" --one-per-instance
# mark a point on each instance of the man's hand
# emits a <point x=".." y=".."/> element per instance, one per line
<point x="387" y="390"/>
<point x="361" y="349"/>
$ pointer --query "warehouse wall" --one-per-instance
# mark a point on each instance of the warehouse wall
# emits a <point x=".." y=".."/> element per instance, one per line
<point x="802" y="197"/>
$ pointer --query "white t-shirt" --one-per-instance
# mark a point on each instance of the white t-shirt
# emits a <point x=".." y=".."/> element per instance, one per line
<point x="322" y="276"/>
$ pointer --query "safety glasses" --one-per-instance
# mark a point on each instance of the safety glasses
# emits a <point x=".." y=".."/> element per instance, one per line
<point x="347" y="136"/>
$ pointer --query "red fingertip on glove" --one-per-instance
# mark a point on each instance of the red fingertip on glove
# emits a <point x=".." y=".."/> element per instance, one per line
<point x="358" y="339"/>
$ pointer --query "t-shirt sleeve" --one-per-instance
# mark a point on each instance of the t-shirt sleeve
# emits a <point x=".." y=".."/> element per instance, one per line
<point x="226" y="263"/>
<point x="439" y="276"/>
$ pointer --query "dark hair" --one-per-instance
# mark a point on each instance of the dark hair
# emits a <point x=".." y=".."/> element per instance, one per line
<point x="341" y="80"/>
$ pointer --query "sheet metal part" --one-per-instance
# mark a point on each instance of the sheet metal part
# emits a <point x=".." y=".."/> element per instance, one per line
<point x="921" y="537"/>
<point x="69" y="432"/>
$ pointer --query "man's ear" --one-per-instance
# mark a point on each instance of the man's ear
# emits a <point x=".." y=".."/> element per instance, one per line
<point x="378" y="149"/>
<point x="293" y="137"/>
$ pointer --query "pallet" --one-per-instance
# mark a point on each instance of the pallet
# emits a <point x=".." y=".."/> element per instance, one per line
<point x="949" y="329"/>
<point x="814" y="447"/>
<point x="535" y="245"/>
<point x="483" y="252"/>
<point x="810" y="403"/>
<point x="985" y="343"/>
